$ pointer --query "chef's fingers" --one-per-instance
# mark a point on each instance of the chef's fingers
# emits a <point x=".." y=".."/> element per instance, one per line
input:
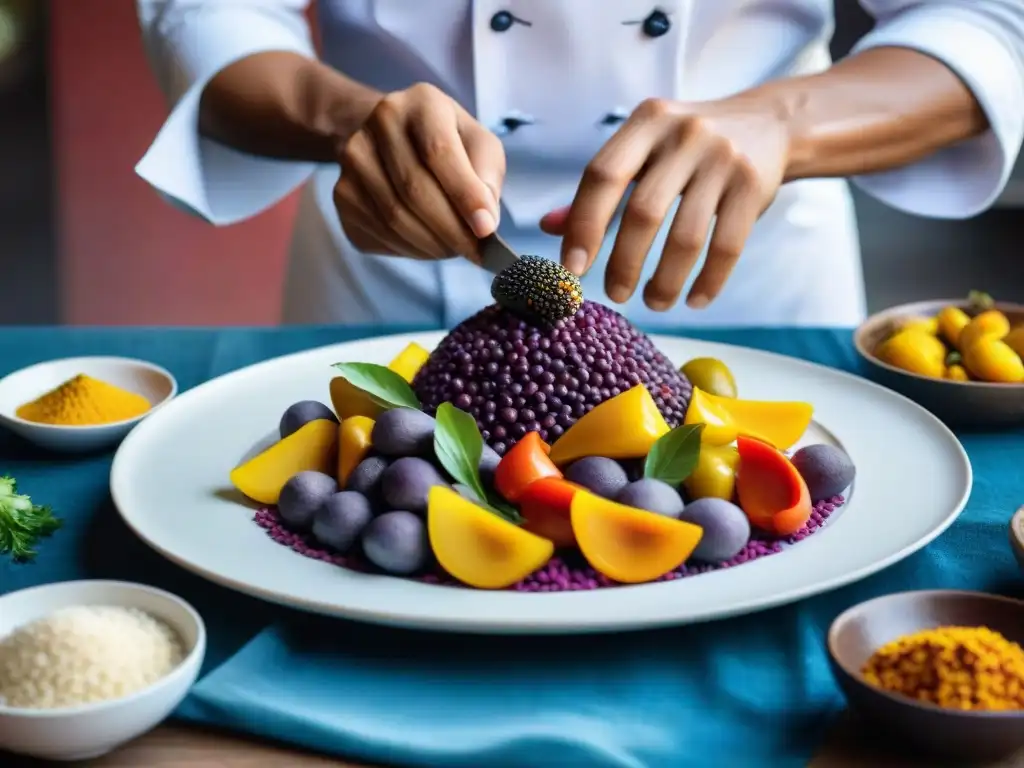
<point x="356" y="223"/>
<point x="361" y="221"/>
<point x="688" y="233"/>
<point x="737" y="214"/>
<point x="486" y="155"/>
<point x="602" y="187"/>
<point x="416" y="184"/>
<point x="553" y="222"/>
<point x="435" y="132"/>
<point x="362" y="158"/>
<point x="667" y="173"/>
<point x="364" y="239"/>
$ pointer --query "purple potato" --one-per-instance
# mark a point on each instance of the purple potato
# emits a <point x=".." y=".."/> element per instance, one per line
<point x="726" y="529"/>
<point x="605" y="477"/>
<point x="489" y="459"/>
<point x="299" y="414"/>
<point x="403" y="432"/>
<point x="341" y="519"/>
<point x="827" y="470"/>
<point x="302" y="496"/>
<point x="653" y="495"/>
<point x="366" y="479"/>
<point x="397" y="542"/>
<point x="407" y="482"/>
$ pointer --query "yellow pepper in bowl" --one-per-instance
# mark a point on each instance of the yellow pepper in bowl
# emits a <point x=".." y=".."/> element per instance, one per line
<point x="914" y="351"/>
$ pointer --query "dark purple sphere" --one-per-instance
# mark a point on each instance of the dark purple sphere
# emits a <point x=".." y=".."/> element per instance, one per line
<point x="514" y="377"/>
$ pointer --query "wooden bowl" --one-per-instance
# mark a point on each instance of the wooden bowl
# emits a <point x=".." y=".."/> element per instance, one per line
<point x="857" y="633"/>
<point x="958" y="403"/>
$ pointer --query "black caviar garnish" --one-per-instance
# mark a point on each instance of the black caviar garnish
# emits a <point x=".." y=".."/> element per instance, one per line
<point x="538" y="289"/>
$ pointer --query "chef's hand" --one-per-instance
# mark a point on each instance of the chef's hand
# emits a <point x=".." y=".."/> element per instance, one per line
<point x="726" y="158"/>
<point x="420" y="178"/>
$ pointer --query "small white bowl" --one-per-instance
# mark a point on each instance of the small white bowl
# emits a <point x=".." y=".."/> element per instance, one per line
<point x="151" y="381"/>
<point x="1017" y="535"/>
<point x="90" y="730"/>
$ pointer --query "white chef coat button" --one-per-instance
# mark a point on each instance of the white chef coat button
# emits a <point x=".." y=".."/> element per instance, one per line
<point x="655" y="25"/>
<point x="502" y="21"/>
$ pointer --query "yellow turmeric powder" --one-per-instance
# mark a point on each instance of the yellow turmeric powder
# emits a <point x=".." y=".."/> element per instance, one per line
<point x="968" y="668"/>
<point x="83" y="401"/>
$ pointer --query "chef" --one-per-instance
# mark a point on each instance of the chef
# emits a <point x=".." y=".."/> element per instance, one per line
<point x="687" y="157"/>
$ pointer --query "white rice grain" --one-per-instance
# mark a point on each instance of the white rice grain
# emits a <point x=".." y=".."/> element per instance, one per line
<point x="85" y="654"/>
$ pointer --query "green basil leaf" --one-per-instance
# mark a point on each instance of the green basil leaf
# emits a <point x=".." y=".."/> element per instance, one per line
<point x="502" y="508"/>
<point x="384" y="386"/>
<point x="459" y="446"/>
<point x="674" y="456"/>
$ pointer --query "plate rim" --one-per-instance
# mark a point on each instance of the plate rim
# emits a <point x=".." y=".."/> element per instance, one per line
<point x="598" y="624"/>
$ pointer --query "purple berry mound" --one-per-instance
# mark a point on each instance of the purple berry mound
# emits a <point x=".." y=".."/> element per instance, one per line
<point x="515" y="377"/>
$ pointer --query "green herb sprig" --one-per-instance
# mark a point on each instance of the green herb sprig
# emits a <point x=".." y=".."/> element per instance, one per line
<point x="384" y="386"/>
<point x="459" y="446"/>
<point x="674" y="456"/>
<point x="22" y="523"/>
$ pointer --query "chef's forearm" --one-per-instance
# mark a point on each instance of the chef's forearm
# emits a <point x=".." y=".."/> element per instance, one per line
<point x="877" y="110"/>
<point x="283" y="105"/>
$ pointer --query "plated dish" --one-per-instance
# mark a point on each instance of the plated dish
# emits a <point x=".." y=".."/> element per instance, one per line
<point x="545" y="466"/>
<point x="169" y="482"/>
<point x="591" y="463"/>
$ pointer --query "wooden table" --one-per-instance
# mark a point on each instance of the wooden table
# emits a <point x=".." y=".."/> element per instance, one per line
<point x="174" y="746"/>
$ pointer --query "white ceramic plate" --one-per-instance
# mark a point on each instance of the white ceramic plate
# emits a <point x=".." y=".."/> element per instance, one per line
<point x="170" y="483"/>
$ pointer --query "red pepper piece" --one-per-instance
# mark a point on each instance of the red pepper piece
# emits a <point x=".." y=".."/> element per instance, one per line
<point x="547" y="506"/>
<point x="770" y="489"/>
<point x="524" y="464"/>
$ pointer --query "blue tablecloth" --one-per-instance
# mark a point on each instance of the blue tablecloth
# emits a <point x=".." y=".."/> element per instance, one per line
<point x="753" y="691"/>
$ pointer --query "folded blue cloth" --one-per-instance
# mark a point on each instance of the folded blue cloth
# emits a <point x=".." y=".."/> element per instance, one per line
<point x="750" y="692"/>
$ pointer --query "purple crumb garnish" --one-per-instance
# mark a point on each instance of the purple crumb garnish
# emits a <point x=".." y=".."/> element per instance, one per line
<point x="514" y="377"/>
<point x="564" y="572"/>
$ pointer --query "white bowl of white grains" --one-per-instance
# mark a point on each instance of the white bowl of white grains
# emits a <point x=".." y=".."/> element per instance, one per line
<point x="86" y="666"/>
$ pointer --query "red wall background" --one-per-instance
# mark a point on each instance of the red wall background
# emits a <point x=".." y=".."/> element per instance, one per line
<point x="125" y="256"/>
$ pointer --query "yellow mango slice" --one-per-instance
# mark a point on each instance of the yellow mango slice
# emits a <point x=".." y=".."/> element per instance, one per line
<point x="479" y="548"/>
<point x="311" y="447"/>
<point x="725" y="418"/>
<point x="353" y="445"/>
<point x="622" y="427"/>
<point x="630" y="545"/>
<point x="408" y="362"/>
<point x="348" y="401"/>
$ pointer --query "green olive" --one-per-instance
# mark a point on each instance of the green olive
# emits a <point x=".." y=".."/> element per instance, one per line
<point x="710" y="375"/>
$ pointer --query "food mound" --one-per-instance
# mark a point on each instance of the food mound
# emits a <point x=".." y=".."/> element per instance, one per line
<point x="515" y="377"/>
<point x="545" y="445"/>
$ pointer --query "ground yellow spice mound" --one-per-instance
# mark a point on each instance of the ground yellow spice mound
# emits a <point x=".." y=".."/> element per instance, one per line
<point x="969" y="668"/>
<point x="84" y="400"/>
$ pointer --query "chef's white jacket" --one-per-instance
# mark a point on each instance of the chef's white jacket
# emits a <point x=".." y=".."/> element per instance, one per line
<point x="553" y="85"/>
